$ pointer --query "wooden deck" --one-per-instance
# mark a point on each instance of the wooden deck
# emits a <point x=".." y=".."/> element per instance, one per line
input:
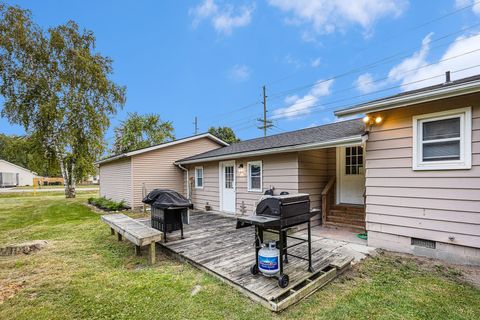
<point x="214" y="245"/>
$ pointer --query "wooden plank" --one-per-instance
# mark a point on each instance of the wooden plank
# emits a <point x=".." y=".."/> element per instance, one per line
<point x="131" y="229"/>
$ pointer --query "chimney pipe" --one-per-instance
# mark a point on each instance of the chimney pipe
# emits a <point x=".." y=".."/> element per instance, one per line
<point x="447" y="77"/>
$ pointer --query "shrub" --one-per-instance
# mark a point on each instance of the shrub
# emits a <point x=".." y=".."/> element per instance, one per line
<point x="108" y="204"/>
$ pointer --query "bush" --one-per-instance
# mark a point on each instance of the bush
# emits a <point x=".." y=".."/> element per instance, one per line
<point x="108" y="204"/>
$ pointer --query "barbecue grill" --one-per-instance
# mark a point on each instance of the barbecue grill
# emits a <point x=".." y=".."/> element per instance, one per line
<point x="169" y="210"/>
<point x="278" y="214"/>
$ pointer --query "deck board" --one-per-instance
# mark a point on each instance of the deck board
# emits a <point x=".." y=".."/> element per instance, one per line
<point x="213" y="244"/>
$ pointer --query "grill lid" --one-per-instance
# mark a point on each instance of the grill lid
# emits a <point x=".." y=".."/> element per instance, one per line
<point x="166" y="198"/>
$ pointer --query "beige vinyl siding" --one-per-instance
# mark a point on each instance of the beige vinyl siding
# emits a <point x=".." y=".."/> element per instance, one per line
<point x="279" y="171"/>
<point x="115" y="180"/>
<point x="434" y="205"/>
<point x="156" y="168"/>
<point x="314" y="171"/>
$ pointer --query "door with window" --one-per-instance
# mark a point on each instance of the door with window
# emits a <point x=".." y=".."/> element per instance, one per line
<point x="227" y="186"/>
<point x="350" y="175"/>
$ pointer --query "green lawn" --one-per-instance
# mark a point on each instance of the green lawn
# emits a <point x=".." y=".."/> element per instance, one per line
<point x="79" y="186"/>
<point x="84" y="273"/>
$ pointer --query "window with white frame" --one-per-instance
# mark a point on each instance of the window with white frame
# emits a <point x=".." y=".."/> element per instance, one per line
<point x="443" y="140"/>
<point x="255" y="176"/>
<point x="198" y="177"/>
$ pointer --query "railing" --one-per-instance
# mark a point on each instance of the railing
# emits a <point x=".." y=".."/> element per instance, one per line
<point x="328" y="197"/>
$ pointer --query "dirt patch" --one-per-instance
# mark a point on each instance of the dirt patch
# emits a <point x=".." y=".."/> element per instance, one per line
<point x="9" y="290"/>
<point x="22" y="248"/>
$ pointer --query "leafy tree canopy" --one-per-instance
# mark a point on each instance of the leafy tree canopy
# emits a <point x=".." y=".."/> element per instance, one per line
<point x="58" y="88"/>
<point x="24" y="151"/>
<point x="141" y="131"/>
<point x="224" y="133"/>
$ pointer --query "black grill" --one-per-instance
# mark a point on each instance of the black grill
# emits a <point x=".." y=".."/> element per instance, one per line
<point x="169" y="210"/>
<point x="277" y="214"/>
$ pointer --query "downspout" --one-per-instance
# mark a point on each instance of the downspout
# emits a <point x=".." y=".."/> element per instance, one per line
<point x="188" y="180"/>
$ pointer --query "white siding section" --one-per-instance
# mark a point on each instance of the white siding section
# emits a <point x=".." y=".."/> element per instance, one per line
<point x="115" y="180"/>
<point x="25" y="176"/>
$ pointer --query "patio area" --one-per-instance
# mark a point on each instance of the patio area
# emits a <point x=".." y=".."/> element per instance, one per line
<point x="213" y="244"/>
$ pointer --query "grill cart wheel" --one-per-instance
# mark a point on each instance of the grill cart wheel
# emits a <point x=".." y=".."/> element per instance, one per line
<point x="254" y="269"/>
<point x="283" y="281"/>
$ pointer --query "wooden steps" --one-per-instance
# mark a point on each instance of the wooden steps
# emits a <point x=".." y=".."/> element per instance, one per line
<point x="347" y="216"/>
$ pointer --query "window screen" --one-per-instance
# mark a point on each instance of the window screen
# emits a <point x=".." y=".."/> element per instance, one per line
<point x="353" y="160"/>
<point x="255" y="176"/>
<point x="441" y="140"/>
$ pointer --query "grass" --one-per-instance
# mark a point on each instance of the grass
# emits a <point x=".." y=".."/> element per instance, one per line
<point x="107" y="204"/>
<point x="78" y="186"/>
<point x="84" y="273"/>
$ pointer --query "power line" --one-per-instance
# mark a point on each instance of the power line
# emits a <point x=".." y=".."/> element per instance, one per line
<point x="374" y="64"/>
<point x="395" y="36"/>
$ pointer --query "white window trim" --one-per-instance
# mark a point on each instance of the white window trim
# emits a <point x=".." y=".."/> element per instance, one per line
<point x="259" y="163"/>
<point x="465" y="161"/>
<point x="196" y="176"/>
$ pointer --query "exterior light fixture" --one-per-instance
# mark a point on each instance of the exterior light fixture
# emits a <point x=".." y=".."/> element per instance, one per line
<point x="370" y="121"/>
<point x="366" y="119"/>
<point x="378" y="120"/>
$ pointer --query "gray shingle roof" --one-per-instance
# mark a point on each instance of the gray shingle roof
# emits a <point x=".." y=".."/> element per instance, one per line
<point x="324" y="133"/>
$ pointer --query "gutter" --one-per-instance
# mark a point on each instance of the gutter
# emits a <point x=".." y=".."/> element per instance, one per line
<point x="188" y="181"/>
<point x="402" y="101"/>
<point x="302" y="147"/>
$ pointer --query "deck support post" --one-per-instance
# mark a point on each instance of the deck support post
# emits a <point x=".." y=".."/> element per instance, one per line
<point x="138" y="250"/>
<point x="152" y="252"/>
<point x="119" y="236"/>
<point x="112" y="232"/>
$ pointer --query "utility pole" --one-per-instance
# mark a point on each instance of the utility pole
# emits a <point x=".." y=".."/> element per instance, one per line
<point x="196" y="125"/>
<point x="266" y="123"/>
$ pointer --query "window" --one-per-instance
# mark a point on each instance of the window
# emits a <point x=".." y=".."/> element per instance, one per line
<point x="229" y="177"/>
<point x="199" y="177"/>
<point x="443" y="140"/>
<point x="255" y="176"/>
<point x="353" y="160"/>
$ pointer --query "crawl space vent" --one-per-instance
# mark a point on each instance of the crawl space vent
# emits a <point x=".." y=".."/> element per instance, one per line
<point x="423" y="243"/>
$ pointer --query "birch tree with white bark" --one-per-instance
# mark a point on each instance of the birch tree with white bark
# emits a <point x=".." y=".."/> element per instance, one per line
<point x="58" y="88"/>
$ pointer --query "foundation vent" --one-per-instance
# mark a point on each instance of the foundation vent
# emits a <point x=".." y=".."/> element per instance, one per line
<point x="423" y="243"/>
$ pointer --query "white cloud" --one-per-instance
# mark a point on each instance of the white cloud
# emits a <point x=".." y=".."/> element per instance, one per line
<point x="223" y="18"/>
<point x="447" y="62"/>
<point x="366" y="84"/>
<point x="289" y="59"/>
<point x="315" y="63"/>
<point x="326" y="16"/>
<point x="239" y="72"/>
<point x="464" y="3"/>
<point x="302" y="105"/>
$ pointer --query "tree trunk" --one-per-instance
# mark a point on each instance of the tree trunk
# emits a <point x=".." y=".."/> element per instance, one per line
<point x="68" y="177"/>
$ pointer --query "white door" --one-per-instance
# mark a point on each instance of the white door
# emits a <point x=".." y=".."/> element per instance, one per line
<point x="350" y="174"/>
<point x="227" y="186"/>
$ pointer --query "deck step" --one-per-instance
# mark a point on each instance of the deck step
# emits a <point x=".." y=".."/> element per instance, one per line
<point x="346" y="214"/>
<point x="349" y="220"/>
<point x="347" y="208"/>
<point x="351" y="227"/>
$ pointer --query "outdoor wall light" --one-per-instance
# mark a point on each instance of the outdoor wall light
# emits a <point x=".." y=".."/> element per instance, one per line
<point x="241" y="170"/>
<point x="372" y="120"/>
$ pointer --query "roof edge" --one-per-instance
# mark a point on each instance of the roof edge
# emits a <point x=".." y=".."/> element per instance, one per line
<point x="162" y="145"/>
<point x="420" y="97"/>
<point x="300" y="147"/>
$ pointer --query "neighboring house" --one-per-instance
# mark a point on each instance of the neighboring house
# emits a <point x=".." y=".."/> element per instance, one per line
<point x="423" y="171"/>
<point x="232" y="179"/>
<point x="416" y="165"/>
<point x="126" y="177"/>
<point x="12" y="175"/>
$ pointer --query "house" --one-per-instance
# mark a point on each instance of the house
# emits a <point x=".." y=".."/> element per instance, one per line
<point x="233" y="178"/>
<point x="12" y="175"/>
<point x="408" y="174"/>
<point x="128" y="176"/>
<point x="423" y="171"/>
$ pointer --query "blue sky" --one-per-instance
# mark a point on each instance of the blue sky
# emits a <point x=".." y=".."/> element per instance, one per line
<point x="210" y="58"/>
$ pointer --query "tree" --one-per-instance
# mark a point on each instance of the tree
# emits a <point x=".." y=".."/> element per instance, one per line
<point x="58" y="88"/>
<point x="224" y="133"/>
<point x="23" y="151"/>
<point x="141" y="131"/>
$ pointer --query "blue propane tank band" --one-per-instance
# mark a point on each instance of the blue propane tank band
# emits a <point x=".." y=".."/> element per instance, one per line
<point x="268" y="263"/>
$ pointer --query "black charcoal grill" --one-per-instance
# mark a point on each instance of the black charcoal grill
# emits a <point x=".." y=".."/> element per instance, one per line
<point x="169" y="210"/>
<point x="277" y="214"/>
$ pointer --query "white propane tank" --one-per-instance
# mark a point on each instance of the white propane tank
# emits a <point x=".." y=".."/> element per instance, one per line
<point x="268" y="259"/>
